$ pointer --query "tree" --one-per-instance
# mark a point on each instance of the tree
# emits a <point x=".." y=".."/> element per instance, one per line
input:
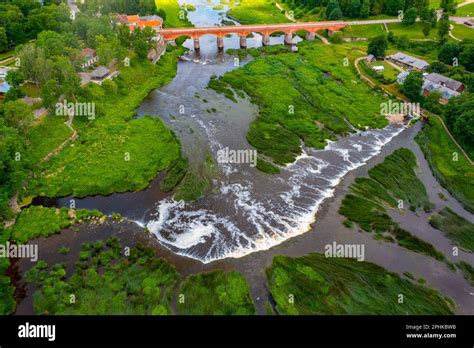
<point x="355" y="8"/>
<point x="460" y="118"/>
<point x="52" y="43"/>
<point x="426" y="28"/>
<point x="335" y="14"/>
<point x="333" y="4"/>
<point x="448" y="52"/>
<point x="391" y="37"/>
<point x="443" y="28"/>
<point x="410" y="16"/>
<point x="392" y="7"/>
<point x="466" y="57"/>
<point x="377" y="46"/>
<point x="411" y="87"/>
<point x="365" y="9"/>
<point x="18" y="115"/>
<point x="3" y="40"/>
<point x="140" y="47"/>
<point x="49" y="93"/>
<point x="448" y="6"/>
<point x="15" y="78"/>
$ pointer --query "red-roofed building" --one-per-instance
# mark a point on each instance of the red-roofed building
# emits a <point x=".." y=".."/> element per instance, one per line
<point x="155" y="22"/>
<point x="89" y="57"/>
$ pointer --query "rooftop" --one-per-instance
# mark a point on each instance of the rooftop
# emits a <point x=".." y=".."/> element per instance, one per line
<point x="409" y="60"/>
<point x="100" y="72"/>
<point x="444" y="81"/>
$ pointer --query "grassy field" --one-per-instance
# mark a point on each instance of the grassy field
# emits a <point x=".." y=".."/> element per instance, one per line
<point x="366" y="31"/>
<point x="256" y="12"/>
<point x="456" y="228"/>
<point x="38" y="221"/>
<point x="411" y="31"/>
<point x="462" y="32"/>
<point x="216" y="293"/>
<point x="174" y="14"/>
<point x="390" y="183"/>
<point x="315" y="284"/>
<point x="465" y="11"/>
<point x="114" y="153"/>
<point x="314" y="88"/>
<point x="440" y="152"/>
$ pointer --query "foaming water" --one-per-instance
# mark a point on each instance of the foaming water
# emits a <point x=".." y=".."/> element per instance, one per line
<point x="246" y="215"/>
<point x="247" y="210"/>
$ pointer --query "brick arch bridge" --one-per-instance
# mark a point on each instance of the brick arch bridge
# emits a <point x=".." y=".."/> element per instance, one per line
<point x="244" y="30"/>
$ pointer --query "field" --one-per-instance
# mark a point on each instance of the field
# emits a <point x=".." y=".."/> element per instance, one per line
<point x="256" y="12"/>
<point x="314" y="88"/>
<point x="366" y="31"/>
<point x="411" y="31"/>
<point x="457" y="176"/>
<point x="318" y="285"/>
<point x="114" y="153"/>
<point x="462" y="32"/>
<point x="465" y="11"/>
<point x="455" y="227"/>
<point x="174" y="18"/>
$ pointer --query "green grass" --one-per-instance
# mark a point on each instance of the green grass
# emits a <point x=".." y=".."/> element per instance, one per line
<point x="114" y="153"/>
<point x="38" y="221"/>
<point x="173" y="14"/>
<point x="411" y="31"/>
<point x="315" y="85"/>
<point x="46" y="136"/>
<point x="367" y="31"/>
<point x="465" y="11"/>
<point x="455" y="227"/>
<point x="332" y="286"/>
<point x="256" y="12"/>
<point x="455" y="176"/>
<point x="106" y="282"/>
<point x="216" y="293"/>
<point x="462" y="32"/>
<point x="467" y="270"/>
<point x="388" y="183"/>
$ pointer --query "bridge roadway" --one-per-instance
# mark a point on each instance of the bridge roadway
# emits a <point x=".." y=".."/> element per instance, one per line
<point x="170" y="34"/>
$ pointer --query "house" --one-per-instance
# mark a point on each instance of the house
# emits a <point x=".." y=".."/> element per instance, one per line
<point x="402" y="76"/>
<point x="100" y="73"/>
<point x="89" y="57"/>
<point x="447" y="87"/>
<point x="378" y="68"/>
<point x="155" y="22"/>
<point x="408" y="62"/>
<point x="445" y="82"/>
<point x="370" y="58"/>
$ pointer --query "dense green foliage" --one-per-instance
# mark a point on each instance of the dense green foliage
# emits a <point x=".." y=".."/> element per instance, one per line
<point x="388" y="184"/>
<point x="7" y="302"/>
<point x="412" y="86"/>
<point x="455" y="227"/>
<point x="317" y="97"/>
<point x="320" y="285"/>
<point x="38" y="221"/>
<point x="448" y="164"/>
<point x="377" y="46"/>
<point x="172" y="13"/>
<point x="116" y="153"/>
<point x="105" y="282"/>
<point x="459" y="118"/>
<point x="216" y="293"/>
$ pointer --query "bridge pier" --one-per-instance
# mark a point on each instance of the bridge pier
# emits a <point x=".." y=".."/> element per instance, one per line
<point x="197" y="45"/>
<point x="220" y="43"/>
<point x="243" y="41"/>
<point x="330" y="32"/>
<point x="265" y="40"/>
<point x="310" y="36"/>
<point x="288" y="39"/>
